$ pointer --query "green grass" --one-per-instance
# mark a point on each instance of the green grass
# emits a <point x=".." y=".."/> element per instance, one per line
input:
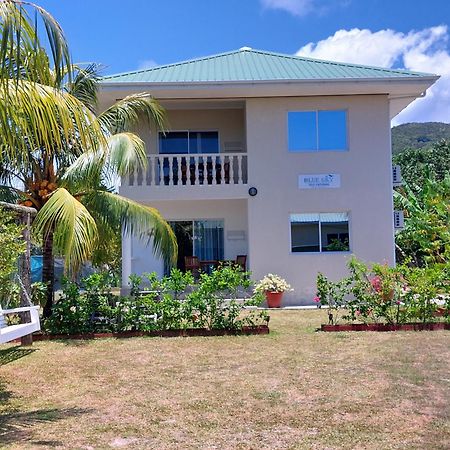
<point x="292" y="389"/>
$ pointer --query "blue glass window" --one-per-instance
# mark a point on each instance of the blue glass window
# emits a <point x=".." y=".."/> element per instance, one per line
<point x="174" y="142"/>
<point x="302" y="130"/>
<point x="332" y="130"/>
<point x="317" y="130"/>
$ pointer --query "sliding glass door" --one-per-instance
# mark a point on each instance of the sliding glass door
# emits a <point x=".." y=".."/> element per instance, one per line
<point x="208" y="239"/>
<point x="201" y="238"/>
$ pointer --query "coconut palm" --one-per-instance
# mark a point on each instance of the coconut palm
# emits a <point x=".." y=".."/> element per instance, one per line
<point x="67" y="168"/>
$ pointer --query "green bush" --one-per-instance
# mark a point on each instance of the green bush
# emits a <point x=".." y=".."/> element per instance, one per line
<point x="383" y="294"/>
<point x="173" y="302"/>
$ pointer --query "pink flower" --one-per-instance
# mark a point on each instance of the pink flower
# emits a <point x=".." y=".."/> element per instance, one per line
<point x="317" y="299"/>
<point x="358" y="312"/>
<point x="376" y="283"/>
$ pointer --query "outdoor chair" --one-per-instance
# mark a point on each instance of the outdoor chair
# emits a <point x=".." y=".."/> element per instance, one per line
<point x="192" y="264"/>
<point x="241" y="260"/>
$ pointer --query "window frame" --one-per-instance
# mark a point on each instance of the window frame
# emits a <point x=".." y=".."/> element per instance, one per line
<point x="188" y="131"/>
<point x="317" y="149"/>
<point x="321" y="252"/>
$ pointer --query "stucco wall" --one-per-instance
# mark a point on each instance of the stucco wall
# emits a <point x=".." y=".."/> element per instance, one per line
<point x="365" y="192"/>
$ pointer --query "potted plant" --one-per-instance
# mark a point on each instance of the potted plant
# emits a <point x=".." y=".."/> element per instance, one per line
<point x="273" y="287"/>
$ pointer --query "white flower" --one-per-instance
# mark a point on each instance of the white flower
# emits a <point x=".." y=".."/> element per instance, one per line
<point x="272" y="283"/>
<point x="73" y="309"/>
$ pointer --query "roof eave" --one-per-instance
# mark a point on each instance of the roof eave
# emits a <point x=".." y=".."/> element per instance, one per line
<point x="186" y="84"/>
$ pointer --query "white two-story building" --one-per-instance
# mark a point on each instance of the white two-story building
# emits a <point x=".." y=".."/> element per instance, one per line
<point x="281" y="158"/>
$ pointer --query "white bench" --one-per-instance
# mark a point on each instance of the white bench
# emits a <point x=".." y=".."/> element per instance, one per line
<point x="11" y="332"/>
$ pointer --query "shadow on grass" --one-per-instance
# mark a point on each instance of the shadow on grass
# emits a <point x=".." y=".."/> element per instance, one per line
<point x="11" y="354"/>
<point x="17" y="426"/>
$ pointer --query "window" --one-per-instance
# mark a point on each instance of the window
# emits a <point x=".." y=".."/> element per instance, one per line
<point x="174" y="142"/>
<point x="317" y="131"/>
<point x="319" y="232"/>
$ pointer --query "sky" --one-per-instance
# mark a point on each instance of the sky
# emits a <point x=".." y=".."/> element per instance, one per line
<point x="126" y="35"/>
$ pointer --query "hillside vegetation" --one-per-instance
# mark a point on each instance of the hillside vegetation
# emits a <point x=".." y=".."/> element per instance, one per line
<point x="418" y="135"/>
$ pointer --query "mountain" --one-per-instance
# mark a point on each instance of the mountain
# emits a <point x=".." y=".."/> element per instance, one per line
<point x="418" y="135"/>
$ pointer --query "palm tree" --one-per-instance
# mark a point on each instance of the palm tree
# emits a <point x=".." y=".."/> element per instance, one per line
<point x="67" y="168"/>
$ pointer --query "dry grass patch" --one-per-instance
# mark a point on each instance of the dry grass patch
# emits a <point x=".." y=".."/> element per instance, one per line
<point x="291" y="389"/>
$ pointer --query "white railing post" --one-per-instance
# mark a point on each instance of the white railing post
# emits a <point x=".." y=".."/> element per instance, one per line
<point x="222" y="168"/>
<point x="231" y="163"/>
<point x="179" y="163"/>
<point x="161" y="170"/>
<point x="149" y="171"/>
<point x="196" y="170"/>
<point x="170" y="158"/>
<point x="239" y="160"/>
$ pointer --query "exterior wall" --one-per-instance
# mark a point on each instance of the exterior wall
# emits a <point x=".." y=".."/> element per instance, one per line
<point x="230" y="123"/>
<point x="138" y="258"/>
<point x="365" y="192"/>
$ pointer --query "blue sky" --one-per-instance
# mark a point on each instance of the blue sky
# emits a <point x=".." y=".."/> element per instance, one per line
<point x="128" y="35"/>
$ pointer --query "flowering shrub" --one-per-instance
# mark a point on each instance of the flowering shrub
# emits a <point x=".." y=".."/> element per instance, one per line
<point x="172" y="302"/>
<point x="384" y="294"/>
<point x="333" y="295"/>
<point x="272" y="283"/>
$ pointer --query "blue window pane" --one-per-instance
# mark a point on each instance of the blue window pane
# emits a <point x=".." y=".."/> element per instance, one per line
<point x="332" y="130"/>
<point x="210" y="142"/>
<point x="302" y="131"/>
<point x="203" y="142"/>
<point x="173" y="142"/>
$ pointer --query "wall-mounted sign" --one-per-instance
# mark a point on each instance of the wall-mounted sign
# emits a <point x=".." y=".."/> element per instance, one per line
<point x="319" y="181"/>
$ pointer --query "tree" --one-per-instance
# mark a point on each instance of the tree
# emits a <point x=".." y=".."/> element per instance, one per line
<point x="67" y="168"/>
<point x="419" y="163"/>
<point x="426" y="236"/>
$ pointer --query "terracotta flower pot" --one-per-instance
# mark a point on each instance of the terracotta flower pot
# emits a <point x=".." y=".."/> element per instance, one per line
<point x="274" y="299"/>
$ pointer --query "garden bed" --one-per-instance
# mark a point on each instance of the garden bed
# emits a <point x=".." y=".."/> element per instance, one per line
<point x="188" y="332"/>
<point x="386" y="327"/>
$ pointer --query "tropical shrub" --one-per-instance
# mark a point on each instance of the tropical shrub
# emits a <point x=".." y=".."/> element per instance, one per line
<point x="217" y="301"/>
<point x="333" y="295"/>
<point x="383" y="294"/>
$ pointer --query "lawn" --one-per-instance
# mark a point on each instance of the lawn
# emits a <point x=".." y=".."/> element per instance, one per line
<point x="294" y="388"/>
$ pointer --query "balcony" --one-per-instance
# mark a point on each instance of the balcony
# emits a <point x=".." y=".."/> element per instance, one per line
<point x="205" y="175"/>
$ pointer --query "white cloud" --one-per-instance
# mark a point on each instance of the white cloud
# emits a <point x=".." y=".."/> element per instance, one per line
<point x="295" y="7"/>
<point x="146" y="64"/>
<point x="424" y="51"/>
<point x="302" y="8"/>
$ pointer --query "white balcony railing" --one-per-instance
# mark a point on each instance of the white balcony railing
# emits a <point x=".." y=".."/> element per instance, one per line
<point x="192" y="170"/>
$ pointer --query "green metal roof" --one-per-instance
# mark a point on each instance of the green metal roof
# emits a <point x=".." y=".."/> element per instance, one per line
<point x="247" y="64"/>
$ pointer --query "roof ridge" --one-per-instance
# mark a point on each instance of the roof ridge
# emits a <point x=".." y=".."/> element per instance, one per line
<point x="178" y="63"/>
<point x="335" y="63"/>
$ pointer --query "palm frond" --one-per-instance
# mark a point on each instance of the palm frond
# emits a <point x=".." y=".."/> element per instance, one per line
<point x="135" y="219"/>
<point x="19" y="37"/>
<point x="35" y="116"/>
<point x="75" y="230"/>
<point x="125" y="114"/>
<point x="84" y="84"/>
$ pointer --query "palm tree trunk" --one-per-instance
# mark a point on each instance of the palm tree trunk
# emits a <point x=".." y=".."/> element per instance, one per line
<point x="48" y="272"/>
